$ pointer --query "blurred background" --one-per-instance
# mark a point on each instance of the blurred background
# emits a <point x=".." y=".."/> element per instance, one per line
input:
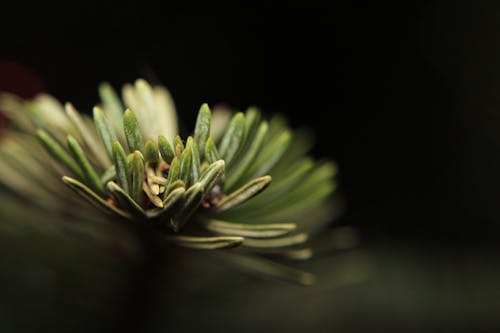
<point x="403" y="96"/>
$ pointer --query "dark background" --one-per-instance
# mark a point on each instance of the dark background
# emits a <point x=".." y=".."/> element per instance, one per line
<point x="402" y="96"/>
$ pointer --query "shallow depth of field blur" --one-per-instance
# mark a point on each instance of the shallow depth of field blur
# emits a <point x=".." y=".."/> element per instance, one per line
<point x="404" y="98"/>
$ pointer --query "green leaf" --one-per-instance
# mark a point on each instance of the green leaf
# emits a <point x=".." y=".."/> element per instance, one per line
<point x="192" y="200"/>
<point x="158" y="180"/>
<point x="129" y="158"/>
<point x="206" y="243"/>
<point x="165" y="149"/>
<point x="49" y="112"/>
<point x="153" y="186"/>
<point x="35" y="113"/>
<point x="173" y="173"/>
<point x="58" y="152"/>
<point x="151" y="153"/>
<point x="303" y="197"/>
<point x="167" y="116"/>
<point x="300" y="144"/>
<point x="283" y="187"/>
<point x="211" y="153"/>
<point x="177" y="188"/>
<point x="244" y="193"/>
<point x="14" y="109"/>
<point x="186" y="162"/>
<point x="320" y="177"/>
<point x="277" y="125"/>
<point x="252" y="118"/>
<point x="235" y="175"/>
<point x="202" y="128"/>
<point x="137" y="167"/>
<point x="151" y="196"/>
<point x="178" y="146"/>
<point x="211" y="175"/>
<point x="132" y="131"/>
<point x="111" y="102"/>
<point x="92" y="197"/>
<point x="270" y="155"/>
<point x="108" y="175"/>
<point x="105" y="131"/>
<point x="175" y="185"/>
<point x="276" y="242"/>
<point x="170" y="204"/>
<point x="121" y="166"/>
<point x="86" y="135"/>
<point x="89" y="173"/>
<point x="249" y="230"/>
<point x="296" y="208"/>
<point x="218" y="124"/>
<point x="125" y="200"/>
<point x="233" y="138"/>
<point x="195" y="159"/>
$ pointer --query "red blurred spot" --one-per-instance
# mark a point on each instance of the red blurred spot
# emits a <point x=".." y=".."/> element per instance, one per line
<point x="19" y="80"/>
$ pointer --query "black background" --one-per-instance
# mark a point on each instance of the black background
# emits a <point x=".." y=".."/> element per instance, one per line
<point x="403" y="96"/>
